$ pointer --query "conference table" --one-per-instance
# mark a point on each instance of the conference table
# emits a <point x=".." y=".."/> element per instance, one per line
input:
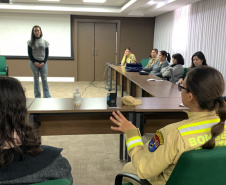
<point x="138" y="86"/>
<point x="59" y="116"/>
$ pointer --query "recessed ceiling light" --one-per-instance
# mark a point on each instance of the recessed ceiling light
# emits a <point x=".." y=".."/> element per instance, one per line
<point x="94" y="1"/>
<point x="151" y="2"/>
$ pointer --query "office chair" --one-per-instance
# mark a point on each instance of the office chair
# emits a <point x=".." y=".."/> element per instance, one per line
<point x="144" y="62"/>
<point x="54" y="182"/>
<point x="185" y="72"/>
<point x="3" y="67"/>
<point x="202" y="167"/>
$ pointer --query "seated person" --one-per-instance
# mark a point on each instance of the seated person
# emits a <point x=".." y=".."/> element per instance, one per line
<point x="128" y="57"/>
<point x="23" y="160"/>
<point x="155" y="69"/>
<point x="201" y="92"/>
<point x="177" y="67"/>
<point x="197" y="59"/>
<point x="154" y="58"/>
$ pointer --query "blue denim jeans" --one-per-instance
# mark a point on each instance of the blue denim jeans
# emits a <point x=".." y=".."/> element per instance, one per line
<point x="44" y="73"/>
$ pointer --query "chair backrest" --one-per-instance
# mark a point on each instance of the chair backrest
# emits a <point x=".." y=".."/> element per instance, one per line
<point x="202" y="167"/>
<point x="172" y="75"/>
<point x="2" y="64"/>
<point x="185" y="72"/>
<point x="144" y="62"/>
<point x="54" y="182"/>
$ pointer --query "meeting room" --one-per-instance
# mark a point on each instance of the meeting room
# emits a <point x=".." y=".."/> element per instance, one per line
<point x="122" y="92"/>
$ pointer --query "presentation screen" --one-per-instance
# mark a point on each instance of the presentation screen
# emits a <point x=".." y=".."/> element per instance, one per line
<point x="15" y="31"/>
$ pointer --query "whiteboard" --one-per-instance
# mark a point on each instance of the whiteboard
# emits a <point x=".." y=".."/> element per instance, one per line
<point x="15" y="31"/>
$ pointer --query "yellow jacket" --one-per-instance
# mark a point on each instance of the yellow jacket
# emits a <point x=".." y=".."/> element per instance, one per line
<point x="129" y="59"/>
<point x="175" y="139"/>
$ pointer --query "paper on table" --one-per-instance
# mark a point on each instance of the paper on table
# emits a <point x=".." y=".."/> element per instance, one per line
<point x="152" y="79"/>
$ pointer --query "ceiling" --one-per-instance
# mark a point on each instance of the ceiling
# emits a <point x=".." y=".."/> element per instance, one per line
<point x="120" y="8"/>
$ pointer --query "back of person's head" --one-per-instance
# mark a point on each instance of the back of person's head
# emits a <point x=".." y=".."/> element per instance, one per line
<point x="179" y="58"/>
<point x="16" y="136"/>
<point x="207" y="86"/>
<point x="165" y="54"/>
<point x="201" y="56"/>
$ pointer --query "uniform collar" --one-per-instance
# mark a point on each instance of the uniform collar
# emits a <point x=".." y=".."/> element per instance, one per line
<point x="197" y="115"/>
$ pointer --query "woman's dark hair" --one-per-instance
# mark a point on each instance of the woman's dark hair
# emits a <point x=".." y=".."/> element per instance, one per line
<point x="207" y="85"/>
<point x="201" y="56"/>
<point x="127" y="48"/>
<point x="179" y="58"/>
<point x="156" y="50"/>
<point x="13" y="112"/>
<point x="33" y="35"/>
<point x="165" y="54"/>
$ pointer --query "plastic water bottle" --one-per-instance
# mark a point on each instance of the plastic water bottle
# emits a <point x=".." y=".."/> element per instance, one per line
<point x="77" y="97"/>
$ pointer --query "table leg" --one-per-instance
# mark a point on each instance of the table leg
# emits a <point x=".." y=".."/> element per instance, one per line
<point x="122" y="89"/>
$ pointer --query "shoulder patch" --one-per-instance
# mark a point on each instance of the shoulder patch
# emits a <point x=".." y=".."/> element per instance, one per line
<point x="155" y="141"/>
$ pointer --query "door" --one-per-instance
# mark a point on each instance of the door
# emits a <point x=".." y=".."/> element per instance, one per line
<point x="96" y="47"/>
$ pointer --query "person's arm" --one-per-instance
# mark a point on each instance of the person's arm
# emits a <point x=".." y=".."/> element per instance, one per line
<point x="166" y="72"/>
<point x="123" y="62"/>
<point x="164" y="64"/>
<point x="46" y="54"/>
<point x="133" y="59"/>
<point x="30" y="54"/>
<point x="148" y="163"/>
<point x="149" y="69"/>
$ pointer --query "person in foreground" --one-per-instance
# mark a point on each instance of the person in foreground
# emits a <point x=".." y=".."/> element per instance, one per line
<point x="197" y="59"/>
<point x="23" y="160"/>
<point x="128" y="57"/>
<point x="201" y="92"/>
<point x="164" y="60"/>
<point x="38" y="51"/>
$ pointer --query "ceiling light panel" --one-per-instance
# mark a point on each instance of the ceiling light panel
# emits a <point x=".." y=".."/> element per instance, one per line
<point x="94" y="1"/>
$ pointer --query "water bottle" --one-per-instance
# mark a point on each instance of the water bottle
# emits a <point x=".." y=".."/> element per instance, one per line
<point x="77" y="97"/>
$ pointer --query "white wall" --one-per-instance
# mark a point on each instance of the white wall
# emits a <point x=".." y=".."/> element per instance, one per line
<point x="197" y="27"/>
<point x="15" y="31"/>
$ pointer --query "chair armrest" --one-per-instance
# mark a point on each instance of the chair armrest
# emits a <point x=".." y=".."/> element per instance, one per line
<point x="118" y="178"/>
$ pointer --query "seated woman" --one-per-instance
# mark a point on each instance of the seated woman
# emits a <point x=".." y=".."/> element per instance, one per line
<point x="201" y="92"/>
<point x="128" y="57"/>
<point x="23" y="160"/>
<point x="155" y="69"/>
<point x="197" y="59"/>
<point x="177" y="67"/>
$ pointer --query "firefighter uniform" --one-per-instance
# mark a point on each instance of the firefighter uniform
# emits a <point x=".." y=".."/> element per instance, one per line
<point x="128" y="59"/>
<point x="156" y="159"/>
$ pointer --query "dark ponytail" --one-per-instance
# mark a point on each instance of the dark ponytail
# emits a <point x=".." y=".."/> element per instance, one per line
<point x="207" y="86"/>
<point x="217" y="129"/>
<point x="165" y="54"/>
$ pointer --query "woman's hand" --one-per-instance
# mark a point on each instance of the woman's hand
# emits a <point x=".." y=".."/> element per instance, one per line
<point x="180" y="81"/>
<point x="122" y="123"/>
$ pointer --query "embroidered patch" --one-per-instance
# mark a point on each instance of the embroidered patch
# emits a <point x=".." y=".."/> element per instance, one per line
<point x="155" y="141"/>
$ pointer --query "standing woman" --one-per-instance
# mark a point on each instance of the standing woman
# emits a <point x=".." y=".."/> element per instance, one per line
<point x="128" y="57"/>
<point x="38" y="51"/>
<point x="164" y="60"/>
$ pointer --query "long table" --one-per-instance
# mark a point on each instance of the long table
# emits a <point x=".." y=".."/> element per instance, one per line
<point x="59" y="116"/>
<point x="138" y="86"/>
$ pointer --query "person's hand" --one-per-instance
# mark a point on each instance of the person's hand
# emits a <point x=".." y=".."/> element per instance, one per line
<point x="42" y="64"/>
<point x="180" y="81"/>
<point x="122" y="123"/>
<point x="36" y="64"/>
